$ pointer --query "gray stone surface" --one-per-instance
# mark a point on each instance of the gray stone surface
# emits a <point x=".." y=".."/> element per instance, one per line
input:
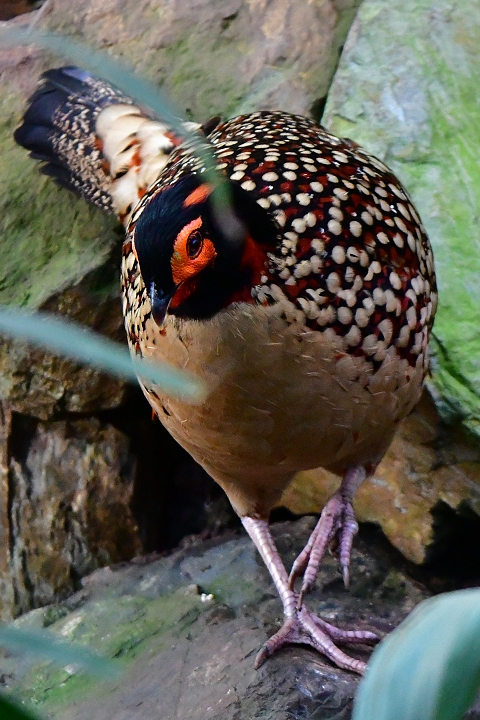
<point x="187" y="658"/>
<point x="220" y="56"/>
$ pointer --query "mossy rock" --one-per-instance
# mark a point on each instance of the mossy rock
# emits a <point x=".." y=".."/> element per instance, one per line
<point x="184" y="631"/>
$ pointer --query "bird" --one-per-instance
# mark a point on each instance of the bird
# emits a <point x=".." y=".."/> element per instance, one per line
<point x="308" y="324"/>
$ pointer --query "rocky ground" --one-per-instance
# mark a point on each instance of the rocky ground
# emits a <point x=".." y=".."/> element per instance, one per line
<point x="186" y="629"/>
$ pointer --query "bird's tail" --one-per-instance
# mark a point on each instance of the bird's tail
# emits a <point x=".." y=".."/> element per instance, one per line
<point x="94" y="140"/>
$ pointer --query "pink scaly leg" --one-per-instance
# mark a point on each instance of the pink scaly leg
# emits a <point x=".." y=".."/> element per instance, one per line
<point x="300" y="626"/>
<point x="337" y="519"/>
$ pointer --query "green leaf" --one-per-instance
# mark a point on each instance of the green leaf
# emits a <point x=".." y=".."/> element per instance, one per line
<point x="144" y="93"/>
<point x="12" y="711"/>
<point x="78" y="343"/>
<point x="429" y="667"/>
<point x="61" y="652"/>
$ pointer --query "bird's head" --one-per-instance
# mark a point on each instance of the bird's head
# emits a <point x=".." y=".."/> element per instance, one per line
<point x="191" y="264"/>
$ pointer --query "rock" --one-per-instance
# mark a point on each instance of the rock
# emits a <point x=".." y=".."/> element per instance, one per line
<point x="66" y="485"/>
<point x="67" y="507"/>
<point x="220" y="56"/>
<point x="406" y="90"/>
<point x="44" y="386"/>
<point x="186" y="654"/>
<point x="426" y="464"/>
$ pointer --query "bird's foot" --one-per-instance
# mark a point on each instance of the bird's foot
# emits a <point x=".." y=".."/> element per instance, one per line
<point x="305" y="628"/>
<point x="337" y="523"/>
<point x="301" y="626"/>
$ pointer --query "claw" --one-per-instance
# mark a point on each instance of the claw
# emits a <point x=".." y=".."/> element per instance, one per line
<point x="300" y="564"/>
<point x="262" y="655"/>
<point x="305" y="628"/>
<point x="337" y="525"/>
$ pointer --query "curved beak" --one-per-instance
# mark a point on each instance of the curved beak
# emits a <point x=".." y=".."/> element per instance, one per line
<point x="160" y="301"/>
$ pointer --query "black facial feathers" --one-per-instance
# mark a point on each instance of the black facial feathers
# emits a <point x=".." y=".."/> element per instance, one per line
<point x="165" y="217"/>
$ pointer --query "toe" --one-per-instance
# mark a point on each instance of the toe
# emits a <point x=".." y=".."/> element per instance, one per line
<point x="305" y="628"/>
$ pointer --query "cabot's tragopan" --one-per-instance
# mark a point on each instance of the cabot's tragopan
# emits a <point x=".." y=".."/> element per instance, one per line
<point x="309" y="325"/>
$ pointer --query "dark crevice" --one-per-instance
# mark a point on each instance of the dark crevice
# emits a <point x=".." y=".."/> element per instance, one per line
<point x="11" y="8"/>
<point x="282" y="514"/>
<point x="22" y="433"/>
<point x="453" y="560"/>
<point x="454" y="551"/>
<point x="10" y="491"/>
<point x="76" y="580"/>
<point x="173" y="496"/>
<point x="29" y="602"/>
<point x="317" y="108"/>
<point x="227" y="21"/>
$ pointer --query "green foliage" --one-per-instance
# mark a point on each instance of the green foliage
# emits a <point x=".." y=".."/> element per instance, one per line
<point x="429" y="667"/>
<point x="58" y="651"/>
<point x="76" y="342"/>
<point x="11" y="711"/>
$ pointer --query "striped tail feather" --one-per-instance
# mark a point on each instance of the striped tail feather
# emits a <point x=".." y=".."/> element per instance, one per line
<point x="94" y="140"/>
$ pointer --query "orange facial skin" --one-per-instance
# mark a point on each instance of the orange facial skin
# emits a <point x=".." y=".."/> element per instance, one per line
<point x="189" y="260"/>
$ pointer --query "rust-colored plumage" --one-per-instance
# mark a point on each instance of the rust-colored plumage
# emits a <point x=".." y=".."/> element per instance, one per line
<point x="310" y="334"/>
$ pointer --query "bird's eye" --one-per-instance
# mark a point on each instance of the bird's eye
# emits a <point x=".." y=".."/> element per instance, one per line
<point x="194" y="245"/>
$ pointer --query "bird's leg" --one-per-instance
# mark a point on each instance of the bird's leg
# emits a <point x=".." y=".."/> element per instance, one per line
<point x="337" y="519"/>
<point x="300" y="626"/>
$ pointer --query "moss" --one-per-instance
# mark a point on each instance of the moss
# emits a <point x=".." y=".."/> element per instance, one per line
<point x="205" y="83"/>
<point x="225" y="589"/>
<point x="121" y="628"/>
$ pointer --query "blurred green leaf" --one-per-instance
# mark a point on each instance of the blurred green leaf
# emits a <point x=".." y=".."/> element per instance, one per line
<point x="47" y="646"/>
<point x="12" y="711"/>
<point x="146" y="94"/>
<point x="429" y="667"/>
<point x="76" y="342"/>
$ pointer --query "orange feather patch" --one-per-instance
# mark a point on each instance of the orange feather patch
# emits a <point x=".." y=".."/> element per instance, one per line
<point x="199" y="195"/>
